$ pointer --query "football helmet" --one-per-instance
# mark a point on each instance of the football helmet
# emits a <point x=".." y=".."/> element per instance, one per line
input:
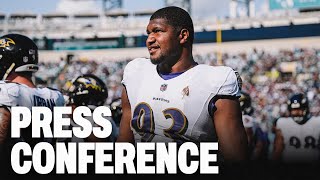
<point x="116" y="110"/>
<point x="245" y="103"/>
<point x="18" y="53"/>
<point x="299" y="102"/>
<point x="87" y="90"/>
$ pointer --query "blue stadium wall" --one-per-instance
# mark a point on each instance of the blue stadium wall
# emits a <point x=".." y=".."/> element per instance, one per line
<point x="200" y="37"/>
<point x="253" y="34"/>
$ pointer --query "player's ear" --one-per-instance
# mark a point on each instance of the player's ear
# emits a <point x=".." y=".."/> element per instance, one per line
<point x="184" y="35"/>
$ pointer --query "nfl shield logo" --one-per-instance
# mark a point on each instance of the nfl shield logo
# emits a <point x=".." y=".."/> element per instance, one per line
<point x="163" y="87"/>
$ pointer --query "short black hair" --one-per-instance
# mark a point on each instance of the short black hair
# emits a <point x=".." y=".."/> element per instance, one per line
<point x="176" y="17"/>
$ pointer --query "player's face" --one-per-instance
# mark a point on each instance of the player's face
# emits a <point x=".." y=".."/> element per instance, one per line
<point x="162" y="41"/>
<point x="297" y="112"/>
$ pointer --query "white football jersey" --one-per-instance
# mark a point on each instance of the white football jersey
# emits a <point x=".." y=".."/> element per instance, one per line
<point x="175" y="109"/>
<point x="14" y="94"/>
<point x="301" y="142"/>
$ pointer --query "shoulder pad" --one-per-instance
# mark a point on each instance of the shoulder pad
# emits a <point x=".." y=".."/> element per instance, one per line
<point x="282" y="120"/>
<point x="8" y="93"/>
<point x="134" y="68"/>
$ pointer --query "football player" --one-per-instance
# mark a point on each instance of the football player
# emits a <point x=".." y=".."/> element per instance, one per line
<point x="116" y="110"/>
<point x="257" y="138"/>
<point x="88" y="90"/>
<point x="297" y="137"/>
<point x="18" y="62"/>
<point x="170" y="97"/>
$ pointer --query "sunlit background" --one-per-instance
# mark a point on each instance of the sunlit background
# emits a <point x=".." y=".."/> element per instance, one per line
<point x="274" y="44"/>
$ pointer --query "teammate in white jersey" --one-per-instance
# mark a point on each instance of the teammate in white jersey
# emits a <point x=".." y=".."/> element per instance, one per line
<point x="169" y="97"/>
<point x="257" y="136"/>
<point x="18" y="60"/>
<point x="298" y="136"/>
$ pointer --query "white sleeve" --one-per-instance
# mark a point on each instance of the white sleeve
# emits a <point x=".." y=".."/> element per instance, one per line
<point x="8" y="95"/>
<point x="279" y="123"/>
<point x="128" y="72"/>
<point x="232" y="85"/>
<point x="60" y="99"/>
<point x="133" y="70"/>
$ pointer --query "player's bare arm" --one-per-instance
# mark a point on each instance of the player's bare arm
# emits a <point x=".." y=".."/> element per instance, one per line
<point x="258" y="150"/>
<point x="125" y="132"/>
<point x="278" y="145"/>
<point x="93" y="138"/>
<point x="230" y="131"/>
<point x="4" y="125"/>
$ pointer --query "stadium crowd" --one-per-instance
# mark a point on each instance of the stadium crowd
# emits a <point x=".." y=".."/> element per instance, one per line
<point x="269" y="77"/>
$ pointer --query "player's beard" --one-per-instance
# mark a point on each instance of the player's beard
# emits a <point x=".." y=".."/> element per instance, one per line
<point x="165" y="63"/>
<point x="169" y="58"/>
<point x="300" y="119"/>
<point x="158" y="59"/>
